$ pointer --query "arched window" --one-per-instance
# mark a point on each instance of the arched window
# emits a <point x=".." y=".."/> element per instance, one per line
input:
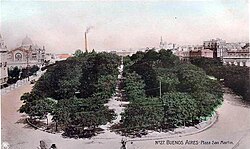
<point x="244" y="63"/>
<point x="18" y="56"/>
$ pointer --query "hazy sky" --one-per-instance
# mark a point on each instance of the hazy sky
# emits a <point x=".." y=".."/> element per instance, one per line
<point x="60" y="26"/>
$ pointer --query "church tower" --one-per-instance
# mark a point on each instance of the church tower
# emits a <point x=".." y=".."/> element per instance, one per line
<point x="162" y="44"/>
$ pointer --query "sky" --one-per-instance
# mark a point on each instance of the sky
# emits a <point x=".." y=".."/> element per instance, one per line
<point x="121" y="25"/>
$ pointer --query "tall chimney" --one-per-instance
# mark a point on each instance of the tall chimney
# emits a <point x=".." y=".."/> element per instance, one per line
<point x="86" y="49"/>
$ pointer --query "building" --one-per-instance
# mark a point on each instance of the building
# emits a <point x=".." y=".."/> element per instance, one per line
<point x="234" y="54"/>
<point x="215" y="45"/>
<point x="183" y="52"/>
<point x="228" y="47"/>
<point x="61" y="57"/>
<point x="191" y="51"/>
<point x="239" y="57"/>
<point x="167" y="46"/>
<point x="3" y="64"/>
<point x="26" y="55"/>
<point x="201" y="53"/>
<point x="183" y="55"/>
<point x="50" y="58"/>
<point x="123" y="53"/>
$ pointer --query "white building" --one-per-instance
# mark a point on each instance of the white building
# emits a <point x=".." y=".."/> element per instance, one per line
<point x="123" y="53"/>
<point x="3" y="64"/>
<point x="216" y="45"/>
<point x="50" y="58"/>
<point x="236" y="56"/>
<point x="26" y="55"/>
<point x="187" y="51"/>
<point x="168" y="46"/>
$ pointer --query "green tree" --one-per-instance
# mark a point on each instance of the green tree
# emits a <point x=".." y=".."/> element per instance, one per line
<point x="13" y="75"/>
<point x="145" y="113"/>
<point x="180" y="110"/>
<point x="92" y="75"/>
<point x="34" y="69"/>
<point x="189" y="95"/>
<point x="137" y="56"/>
<point x="60" y="81"/>
<point x="235" y="77"/>
<point x="105" y="86"/>
<point x="134" y="87"/>
<point x="167" y="59"/>
<point x="78" y="53"/>
<point x="80" y="115"/>
<point x="35" y="106"/>
<point x="149" y="76"/>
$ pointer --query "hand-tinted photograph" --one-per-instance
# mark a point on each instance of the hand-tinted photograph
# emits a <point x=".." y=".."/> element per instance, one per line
<point x="170" y="74"/>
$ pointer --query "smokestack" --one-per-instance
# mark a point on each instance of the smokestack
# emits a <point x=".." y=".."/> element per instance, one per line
<point x="86" y="49"/>
<point x="86" y="41"/>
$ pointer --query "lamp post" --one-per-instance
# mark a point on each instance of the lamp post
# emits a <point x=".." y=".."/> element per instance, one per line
<point x="27" y="57"/>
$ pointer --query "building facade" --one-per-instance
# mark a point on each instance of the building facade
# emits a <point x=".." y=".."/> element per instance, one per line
<point x="167" y="46"/>
<point x="3" y="64"/>
<point x="201" y="53"/>
<point x="215" y="45"/>
<point x="26" y="55"/>
<point x="237" y="57"/>
<point x="123" y="53"/>
<point x="192" y="51"/>
<point x="183" y="53"/>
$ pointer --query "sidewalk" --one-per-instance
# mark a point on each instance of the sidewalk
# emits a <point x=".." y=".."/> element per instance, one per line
<point x="20" y="83"/>
<point x="225" y="128"/>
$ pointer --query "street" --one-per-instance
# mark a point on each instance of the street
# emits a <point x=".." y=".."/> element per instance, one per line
<point x="232" y="130"/>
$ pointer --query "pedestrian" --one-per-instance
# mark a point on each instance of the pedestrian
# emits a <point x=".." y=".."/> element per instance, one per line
<point x="53" y="146"/>
<point x="123" y="144"/>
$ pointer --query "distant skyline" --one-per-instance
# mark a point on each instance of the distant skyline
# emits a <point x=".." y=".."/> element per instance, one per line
<point x="118" y="25"/>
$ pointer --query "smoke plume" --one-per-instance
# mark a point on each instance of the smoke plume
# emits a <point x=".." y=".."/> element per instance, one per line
<point x="88" y="29"/>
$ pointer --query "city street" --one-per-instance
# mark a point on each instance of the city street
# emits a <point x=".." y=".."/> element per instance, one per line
<point x="232" y="128"/>
<point x="182" y="80"/>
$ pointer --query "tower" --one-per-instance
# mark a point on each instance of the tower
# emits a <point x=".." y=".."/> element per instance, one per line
<point x="86" y="46"/>
<point x="161" y="44"/>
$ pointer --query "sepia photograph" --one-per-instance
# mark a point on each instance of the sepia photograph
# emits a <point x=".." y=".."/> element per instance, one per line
<point x="125" y="74"/>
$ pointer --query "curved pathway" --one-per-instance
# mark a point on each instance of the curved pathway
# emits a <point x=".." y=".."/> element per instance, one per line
<point x="232" y="130"/>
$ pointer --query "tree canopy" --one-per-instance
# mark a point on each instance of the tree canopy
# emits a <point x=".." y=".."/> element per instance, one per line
<point x="235" y="77"/>
<point x="188" y="95"/>
<point x="81" y="86"/>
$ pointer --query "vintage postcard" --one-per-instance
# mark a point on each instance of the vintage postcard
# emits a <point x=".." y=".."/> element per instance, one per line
<point x="170" y="74"/>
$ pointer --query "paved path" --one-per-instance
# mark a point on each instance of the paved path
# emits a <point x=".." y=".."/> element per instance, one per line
<point x="115" y="104"/>
<point x="232" y="127"/>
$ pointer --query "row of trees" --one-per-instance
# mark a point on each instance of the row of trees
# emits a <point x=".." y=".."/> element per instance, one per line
<point x="235" y="77"/>
<point x="164" y="93"/>
<point x="74" y="92"/>
<point x="16" y="74"/>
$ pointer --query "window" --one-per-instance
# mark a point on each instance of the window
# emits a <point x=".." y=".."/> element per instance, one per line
<point x="1" y="65"/>
<point x="18" y="56"/>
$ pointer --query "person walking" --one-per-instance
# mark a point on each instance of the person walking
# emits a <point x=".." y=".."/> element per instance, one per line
<point x="123" y="144"/>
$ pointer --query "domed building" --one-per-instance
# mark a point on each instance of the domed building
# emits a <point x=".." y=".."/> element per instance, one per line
<point x="27" y="43"/>
<point x="26" y="55"/>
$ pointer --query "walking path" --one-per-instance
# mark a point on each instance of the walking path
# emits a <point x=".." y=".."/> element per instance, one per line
<point x="21" y="83"/>
<point x="231" y="130"/>
<point x="115" y="103"/>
